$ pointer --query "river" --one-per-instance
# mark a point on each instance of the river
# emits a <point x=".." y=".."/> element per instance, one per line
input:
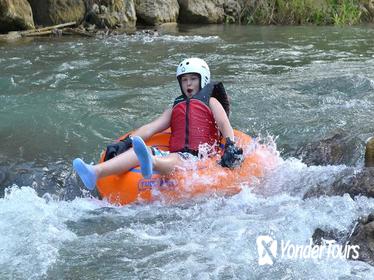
<point x="67" y="97"/>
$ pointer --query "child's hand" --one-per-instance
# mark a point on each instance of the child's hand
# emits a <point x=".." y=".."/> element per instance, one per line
<point x="120" y="147"/>
<point x="232" y="156"/>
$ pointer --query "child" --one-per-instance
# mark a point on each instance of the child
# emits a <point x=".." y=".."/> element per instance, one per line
<point x="193" y="119"/>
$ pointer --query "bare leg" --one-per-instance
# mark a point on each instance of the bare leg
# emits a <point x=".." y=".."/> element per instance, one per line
<point x="90" y="174"/>
<point x="127" y="160"/>
<point x="165" y="165"/>
<point x="116" y="165"/>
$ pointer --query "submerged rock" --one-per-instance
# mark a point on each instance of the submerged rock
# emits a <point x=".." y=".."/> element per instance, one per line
<point x="52" y="12"/>
<point x="319" y="235"/>
<point x="154" y="12"/>
<point x="194" y="11"/>
<point x="55" y="178"/>
<point x="352" y="181"/>
<point x="15" y="15"/>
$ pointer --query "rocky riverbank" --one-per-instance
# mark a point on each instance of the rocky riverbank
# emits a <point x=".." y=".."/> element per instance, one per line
<point x="16" y="15"/>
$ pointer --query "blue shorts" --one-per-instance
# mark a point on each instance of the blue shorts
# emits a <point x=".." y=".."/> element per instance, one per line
<point x="186" y="156"/>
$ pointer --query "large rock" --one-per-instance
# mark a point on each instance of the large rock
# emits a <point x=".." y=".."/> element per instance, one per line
<point x="363" y="236"/>
<point x="112" y="13"/>
<point x="51" y="12"/>
<point x="154" y="12"/>
<point x="233" y="9"/>
<point x="351" y="181"/>
<point x="15" y="15"/>
<point x="195" y="11"/>
<point x="369" y="153"/>
<point x="335" y="150"/>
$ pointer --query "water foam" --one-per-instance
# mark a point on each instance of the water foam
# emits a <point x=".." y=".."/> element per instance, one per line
<point x="32" y="232"/>
<point x="214" y="237"/>
<point x="146" y="38"/>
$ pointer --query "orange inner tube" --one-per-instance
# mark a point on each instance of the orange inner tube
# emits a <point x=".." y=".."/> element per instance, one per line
<point x="204" y="177"/>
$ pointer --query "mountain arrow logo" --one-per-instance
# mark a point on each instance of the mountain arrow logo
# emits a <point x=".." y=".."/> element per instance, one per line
<point x="267" y="249"/>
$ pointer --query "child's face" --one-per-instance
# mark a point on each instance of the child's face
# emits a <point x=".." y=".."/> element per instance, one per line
<point x="190" y="84"/>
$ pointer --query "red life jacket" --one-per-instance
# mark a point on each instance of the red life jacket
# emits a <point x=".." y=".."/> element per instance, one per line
<point x="192" y="120"/>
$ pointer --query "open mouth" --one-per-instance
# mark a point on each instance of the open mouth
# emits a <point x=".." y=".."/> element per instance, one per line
<point x="189" y="90"/>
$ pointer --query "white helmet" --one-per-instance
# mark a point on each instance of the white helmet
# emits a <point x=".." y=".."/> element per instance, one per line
<point x="194" y="65"/>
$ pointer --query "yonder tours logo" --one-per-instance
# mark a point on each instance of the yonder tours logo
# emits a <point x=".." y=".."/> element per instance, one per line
<point x="270" y="249"/>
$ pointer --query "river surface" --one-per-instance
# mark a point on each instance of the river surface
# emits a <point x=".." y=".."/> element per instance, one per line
<point x="67" y="97"/>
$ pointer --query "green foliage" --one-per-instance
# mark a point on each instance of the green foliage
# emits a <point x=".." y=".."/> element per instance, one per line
<point x="345" y="12"/>
<point x="338" y="12"/>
